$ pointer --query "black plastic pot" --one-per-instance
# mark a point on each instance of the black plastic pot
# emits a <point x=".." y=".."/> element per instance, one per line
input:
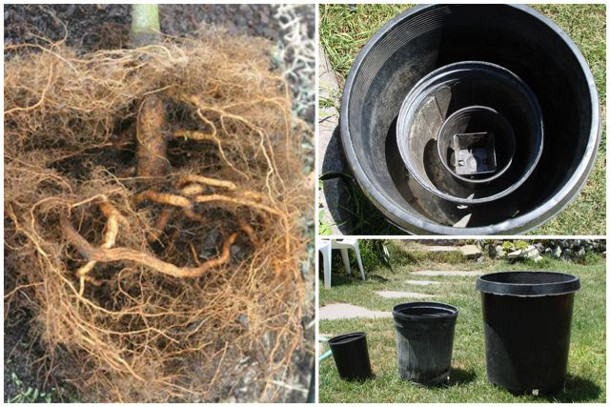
<point x="351" y="356"/>
<point x="515" y="38"/>
<point x="424" y="341"/>
<point x="457" y="102"/>
<point x="527" y="317"/>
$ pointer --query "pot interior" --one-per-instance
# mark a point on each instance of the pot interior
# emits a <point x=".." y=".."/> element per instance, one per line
<point x="528" y="278"/>
<point x="439" y="35"/>
<point x="424" y="309"/>
<point x="346" y="338"/>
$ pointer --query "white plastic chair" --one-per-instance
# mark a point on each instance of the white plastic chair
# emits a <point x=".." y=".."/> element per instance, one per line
<point x="326" y="247"/>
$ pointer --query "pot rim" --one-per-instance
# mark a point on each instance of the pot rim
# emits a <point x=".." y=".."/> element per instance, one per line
<point x="502" y="170"/>
<point x="492" y="284"/>
<point x="346" y="338"/>
<point x="435" y="79"/>
<point x="449" y="311"/>
<point x="522" y="223"/>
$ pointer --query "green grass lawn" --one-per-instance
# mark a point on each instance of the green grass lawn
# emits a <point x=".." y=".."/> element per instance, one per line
<point x="344" y="31"/>
<point x="587" y="361"/>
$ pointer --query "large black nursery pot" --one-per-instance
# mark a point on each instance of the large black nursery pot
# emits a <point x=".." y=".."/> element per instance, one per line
<point x="527" y="317"/>
<point x="424" y="341"/>
<point x="470" y="119"/>
<point x="351" y="356"/>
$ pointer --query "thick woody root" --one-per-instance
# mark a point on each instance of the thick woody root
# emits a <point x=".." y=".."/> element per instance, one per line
<point x="151" y="143"/>
<point x="106" y="254"/>
<point x="154" y="202"/>
<point x="110" y="235"/>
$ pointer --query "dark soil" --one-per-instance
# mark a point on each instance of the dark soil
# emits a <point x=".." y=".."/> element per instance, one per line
<point x="106" y="26"/>
<point x="90" y="28"/>
<point x="24" y="359"/>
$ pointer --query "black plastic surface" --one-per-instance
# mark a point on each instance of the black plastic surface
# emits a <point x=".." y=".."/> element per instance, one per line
<point x="477" y="127"/>
<point x="351" y="356"/>
<point x="426" y="38"/>
<point x="471" y="96"/>
<point x="424" y="341"/>
<point x="528" y="283"/>
<point x="527" y="341"/>
<point x="474" y="153"/>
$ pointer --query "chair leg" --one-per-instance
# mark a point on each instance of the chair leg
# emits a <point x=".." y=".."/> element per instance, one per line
<point x="345" y="256"/>
<point x="359" y="260"/>
<point x="326" y="252"/>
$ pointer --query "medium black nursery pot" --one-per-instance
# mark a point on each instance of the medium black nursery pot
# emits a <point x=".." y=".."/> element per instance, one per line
<point x="424" y="341"/>
<point x="351" y="356"/>
<point x="470" y="119"/>
<point x="527" y="317"/>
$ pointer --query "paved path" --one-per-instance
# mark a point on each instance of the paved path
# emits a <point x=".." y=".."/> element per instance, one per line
<point x="439" y="249"/>
<point x="422" y="282"/>
<point x="402" y="294"/>
<point x="349" y="311"/>
<point x="427" y="273"/>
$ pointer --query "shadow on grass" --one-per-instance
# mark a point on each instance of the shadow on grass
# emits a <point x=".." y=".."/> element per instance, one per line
<point x="347" y="204"/>
<point x="377" y="278"/>
<point x="339" y="279"/>
<point x="577" y="389"/>
<point x="459" y="376"/>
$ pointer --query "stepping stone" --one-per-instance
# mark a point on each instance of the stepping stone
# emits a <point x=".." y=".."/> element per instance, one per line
<point x="440" y="249"/>
<point x="470" y="251"/>
<point x="422" y="282"/>
<point x="401" y="294"/>
<point x="447" y="273"/>
<point x="349" y="311"/>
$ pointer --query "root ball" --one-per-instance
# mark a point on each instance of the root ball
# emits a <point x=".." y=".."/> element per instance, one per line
<point x="158" y="249"/>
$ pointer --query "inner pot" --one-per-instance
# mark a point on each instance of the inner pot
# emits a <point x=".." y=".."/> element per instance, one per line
<point x="458" y="101"/>
<point x="426" y="38"/>
<point x="476" y="144"/>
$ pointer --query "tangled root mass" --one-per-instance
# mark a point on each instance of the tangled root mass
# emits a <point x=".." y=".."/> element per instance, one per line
<point x="153" y="200"/>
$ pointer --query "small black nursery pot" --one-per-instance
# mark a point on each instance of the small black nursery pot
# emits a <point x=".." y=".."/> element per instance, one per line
<point x="351" y="356"/>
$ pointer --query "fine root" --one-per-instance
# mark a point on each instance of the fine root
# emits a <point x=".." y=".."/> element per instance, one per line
<point x="153" y="209"/>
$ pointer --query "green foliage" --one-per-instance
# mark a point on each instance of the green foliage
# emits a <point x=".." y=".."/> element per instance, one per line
<point x="509" y="245"/>
<point x="27" y="394"/>
<point x="324" y="228"/>
<point x="372" y="254"/>
<point x="589" y="258"/>
<point x="521" y="244"/>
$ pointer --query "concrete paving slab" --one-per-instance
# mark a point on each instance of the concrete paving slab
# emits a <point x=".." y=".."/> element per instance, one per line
<point x="440" y="249"/>
<point x="422" y="282"/>
<point x="349" y="311"/>
<point x="428" y="273"/>
<point x="402" y="294"/>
